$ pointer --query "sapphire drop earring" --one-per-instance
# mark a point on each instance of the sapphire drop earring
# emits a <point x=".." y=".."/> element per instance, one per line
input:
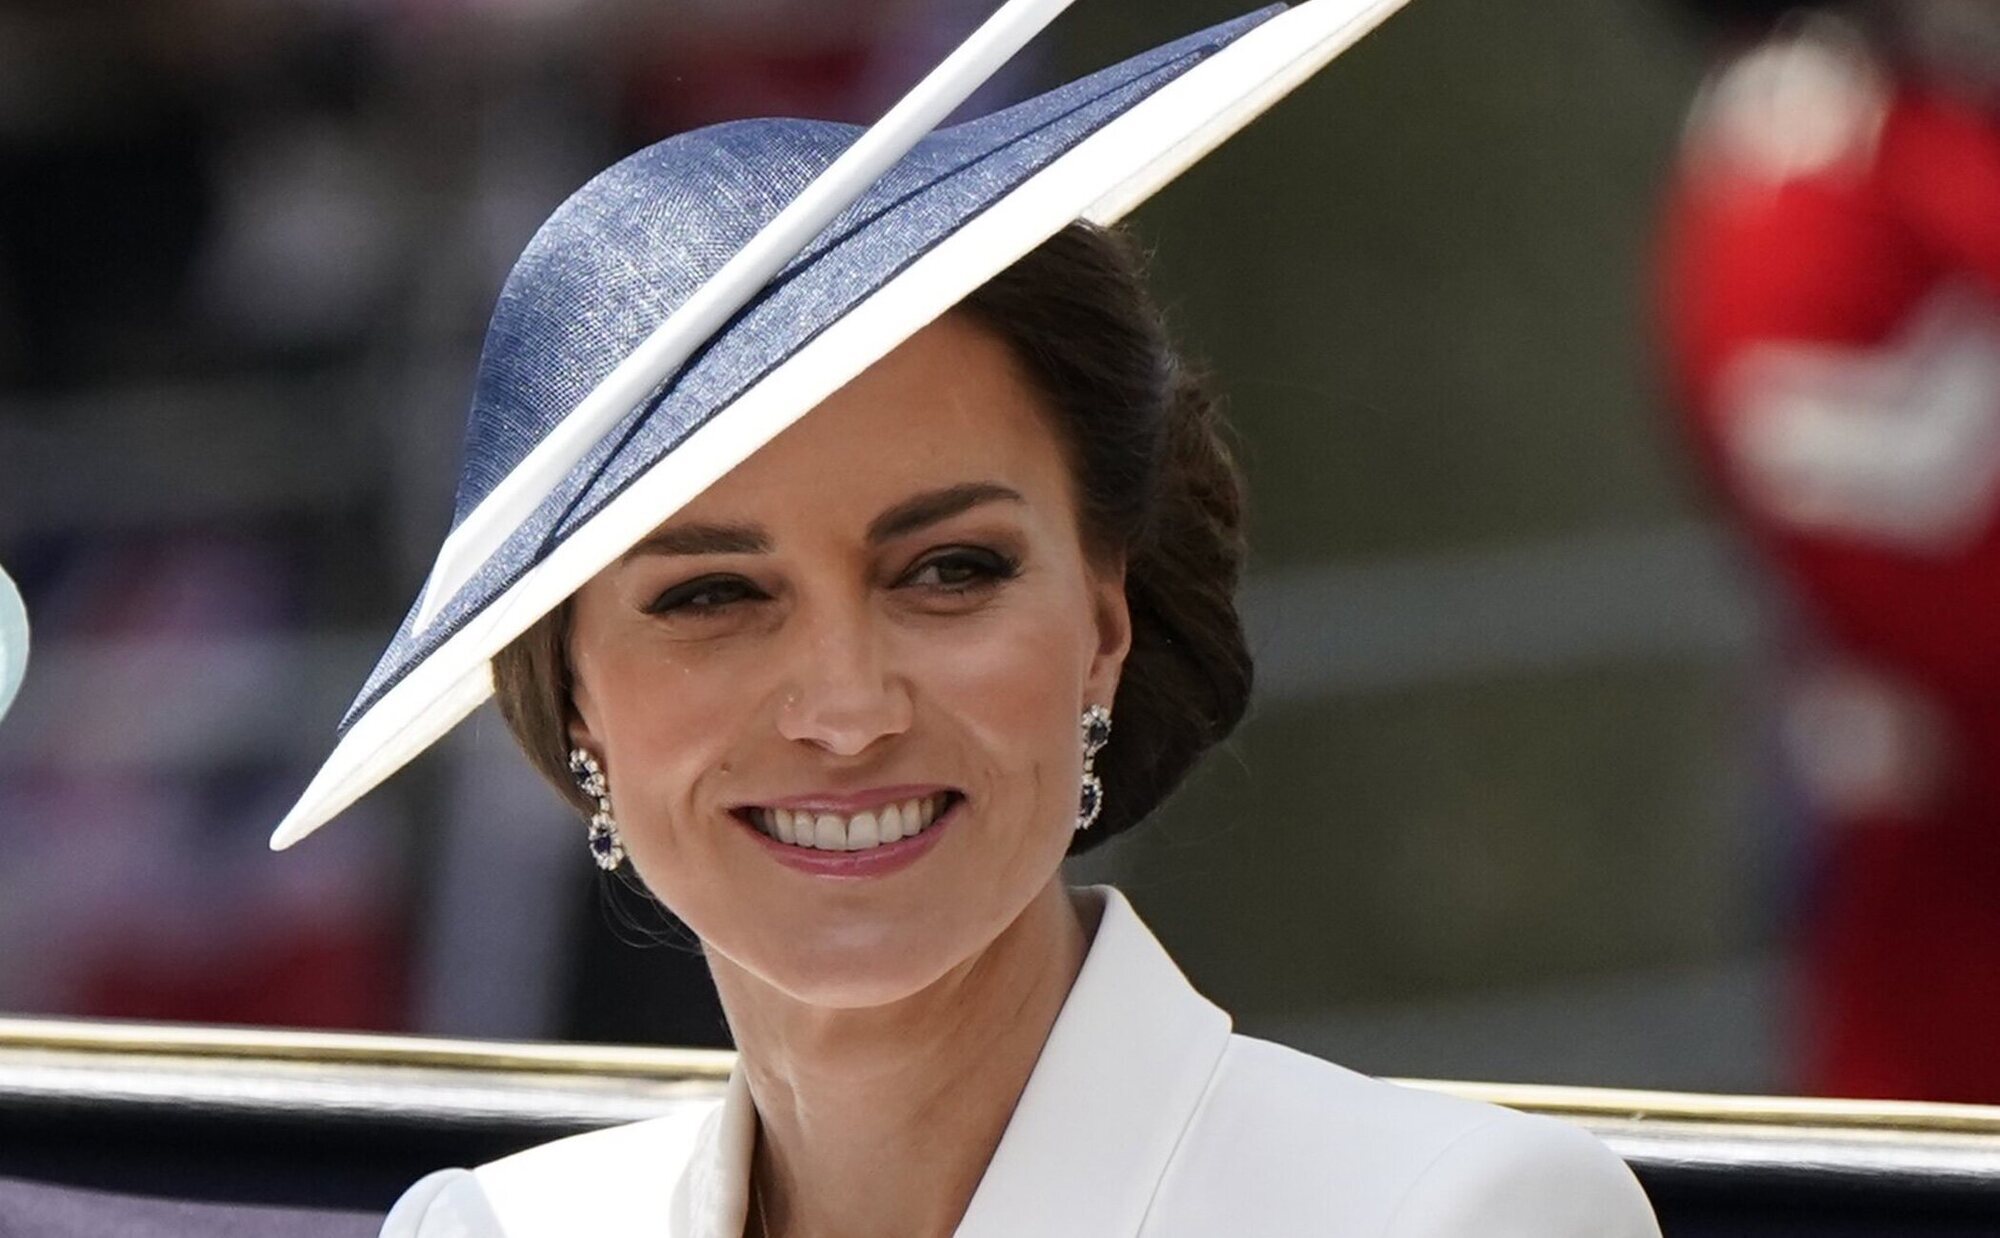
<point x="1096" y="727"/>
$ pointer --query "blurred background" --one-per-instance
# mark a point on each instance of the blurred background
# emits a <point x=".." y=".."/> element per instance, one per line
<point x="1521" y="797"/>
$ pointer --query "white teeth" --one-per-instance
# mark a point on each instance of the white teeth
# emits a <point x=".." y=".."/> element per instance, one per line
<point x="862" y="832"/>
<point x="830" y="833"/>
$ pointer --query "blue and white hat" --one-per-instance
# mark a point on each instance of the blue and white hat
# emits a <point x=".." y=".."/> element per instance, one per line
<point x="694" y="300"/>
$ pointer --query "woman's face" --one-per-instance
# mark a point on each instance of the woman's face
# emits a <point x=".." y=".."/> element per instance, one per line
<point x="890" y="604"/>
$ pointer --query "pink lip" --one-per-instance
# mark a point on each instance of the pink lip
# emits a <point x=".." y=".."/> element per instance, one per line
<point x="853" y="865"/>
<point x="856" y="801"/>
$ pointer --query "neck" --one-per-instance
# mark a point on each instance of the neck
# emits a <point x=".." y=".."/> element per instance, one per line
<point x="881" y="1120"/>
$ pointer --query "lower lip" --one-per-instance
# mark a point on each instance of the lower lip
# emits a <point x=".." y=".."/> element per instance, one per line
<point x="852" y="865"/>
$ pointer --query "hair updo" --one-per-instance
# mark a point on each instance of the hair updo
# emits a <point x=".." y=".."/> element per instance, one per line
<point x="1155" y="483"/>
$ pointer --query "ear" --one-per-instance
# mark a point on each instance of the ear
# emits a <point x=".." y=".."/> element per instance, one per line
<point x="578" y="732"/>
<point x="581" y="707"/>
<point x="1111" y="621"/>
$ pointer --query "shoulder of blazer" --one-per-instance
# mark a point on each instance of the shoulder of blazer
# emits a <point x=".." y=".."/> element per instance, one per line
<point x="445" y="1203"/>
<point x="1308" y="1147"/>
<point x="537" y="1190"/>
<point x="1523" y="1176"/>
<point x="657" y="1144"/>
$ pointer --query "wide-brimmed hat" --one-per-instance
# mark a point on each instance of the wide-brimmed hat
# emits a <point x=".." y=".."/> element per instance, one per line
<point x="633" y="256"/>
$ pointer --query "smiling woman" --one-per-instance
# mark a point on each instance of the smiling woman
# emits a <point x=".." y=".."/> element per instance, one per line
<point x="873" y="640"/>
<point x="846" y="642"/>
<point x="1067" y="349"/>
<point x="915" y="579"/>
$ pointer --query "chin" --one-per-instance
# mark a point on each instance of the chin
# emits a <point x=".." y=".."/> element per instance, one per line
<point x="859" y="969"/>
<point x="859" y="944"/>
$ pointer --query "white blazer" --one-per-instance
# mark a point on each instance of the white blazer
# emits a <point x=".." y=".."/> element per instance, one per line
<point x="1144" y="1118"/>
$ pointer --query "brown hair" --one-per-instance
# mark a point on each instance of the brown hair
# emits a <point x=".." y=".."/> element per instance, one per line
<point x="1155" y="481"/>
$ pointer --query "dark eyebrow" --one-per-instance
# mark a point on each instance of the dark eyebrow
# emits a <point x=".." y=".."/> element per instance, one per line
<point x="934" y="505"/>
<point x="702" y="539"/>
<point x="748" y="539"/>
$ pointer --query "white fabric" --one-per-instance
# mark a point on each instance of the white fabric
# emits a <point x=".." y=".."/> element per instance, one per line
<point x="1144" y="1117"/>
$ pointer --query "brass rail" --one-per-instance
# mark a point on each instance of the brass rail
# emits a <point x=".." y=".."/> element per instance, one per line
<point x="360" y="1049"/>
<point x="242" y="1045"/>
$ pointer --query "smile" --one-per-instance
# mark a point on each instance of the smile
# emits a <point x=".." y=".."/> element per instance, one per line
<point x="859" y="831"/>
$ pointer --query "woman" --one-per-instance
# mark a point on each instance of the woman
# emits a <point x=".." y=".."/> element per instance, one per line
<point x="846" y="700"/>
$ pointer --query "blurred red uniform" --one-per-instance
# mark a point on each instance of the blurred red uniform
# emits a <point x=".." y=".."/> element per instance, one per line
<point x="1831" y="299"/>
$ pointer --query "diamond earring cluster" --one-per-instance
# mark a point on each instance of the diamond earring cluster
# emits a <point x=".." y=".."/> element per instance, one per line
<point x="1096" y="732"/>
<point x="605" y="846"/>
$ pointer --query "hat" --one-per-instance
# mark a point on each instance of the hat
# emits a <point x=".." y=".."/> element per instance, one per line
<point x="649" y="245"/>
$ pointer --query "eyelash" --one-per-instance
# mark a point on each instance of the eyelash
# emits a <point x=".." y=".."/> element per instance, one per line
<point x="988" y="567"/>
<point x="682" y="597"/>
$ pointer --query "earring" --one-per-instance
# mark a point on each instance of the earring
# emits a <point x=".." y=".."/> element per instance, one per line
<point x="1096" y="727"/>
<point x="605" y="845"/>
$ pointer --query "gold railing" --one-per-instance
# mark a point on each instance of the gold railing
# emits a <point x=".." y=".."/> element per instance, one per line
<point x="241" y="1044"/>
<point x="74" y="1040"/>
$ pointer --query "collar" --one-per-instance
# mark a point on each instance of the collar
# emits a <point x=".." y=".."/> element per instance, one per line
<point x="712" y="1199"/>
<point x="1124" y="1068"/>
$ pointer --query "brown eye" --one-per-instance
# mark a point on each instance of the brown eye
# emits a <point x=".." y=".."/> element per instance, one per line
<point x="961" y="568"/>
<point x="704" y="595"/>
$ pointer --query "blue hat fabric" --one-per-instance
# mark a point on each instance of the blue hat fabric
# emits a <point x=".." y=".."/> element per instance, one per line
<point x="635" y="242"/>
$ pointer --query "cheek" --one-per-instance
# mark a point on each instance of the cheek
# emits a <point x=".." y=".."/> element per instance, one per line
<point x="1012" y="687"/>
<point x="666" y="722"/>
<point x="1008" y="675"/>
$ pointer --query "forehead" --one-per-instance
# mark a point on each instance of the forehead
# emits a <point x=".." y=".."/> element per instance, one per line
<point x="948" y="405"/>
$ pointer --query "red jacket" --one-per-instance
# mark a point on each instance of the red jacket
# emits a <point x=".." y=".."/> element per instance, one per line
<point x="1832" y="235"/>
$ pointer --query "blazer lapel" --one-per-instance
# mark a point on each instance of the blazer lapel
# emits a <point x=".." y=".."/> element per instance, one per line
<point x="682" y="1176"/>
<point x="712" y="1198"/>
<point x="1124" y="1069"/>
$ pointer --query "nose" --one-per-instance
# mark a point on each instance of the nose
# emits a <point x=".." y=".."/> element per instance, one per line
<point x="842" y="695"/>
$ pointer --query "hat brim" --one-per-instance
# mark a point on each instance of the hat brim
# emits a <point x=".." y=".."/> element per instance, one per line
<point x="1100" y="179"/>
